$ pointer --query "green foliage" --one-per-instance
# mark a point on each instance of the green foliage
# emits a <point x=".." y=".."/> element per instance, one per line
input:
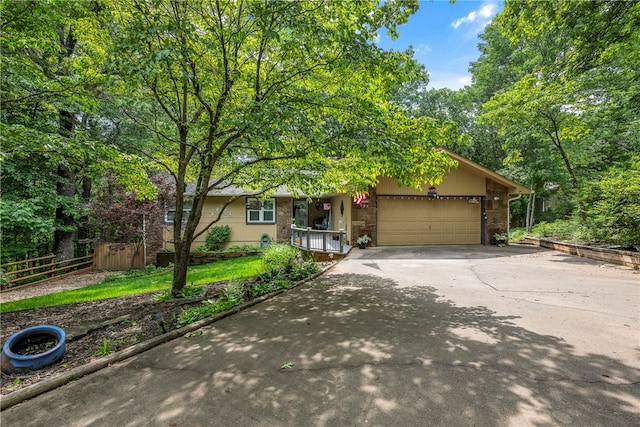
<point x="283" y="266"/>
<point x="116" y="286"/>
<point x="186" y="292"/>
<point x="259" y="289"/>
<point x="566" y="230"/>
<point x="193" y="314"/>
<point x="280" y="258"/>
<point x="244" y="248"/>
<point x="517" y="234"/>
<point x="103" y="349"/>
<point x="228" y="297"/>
<point x="613" y="204"/>
<point x="4" y="277"/>
<point x="56" y="136"/>
<point x="217" y="237"/>
<point x="240" y="120"/>
<point x="558" y="81"/>
<point x="304" y="269"/>
<point x="363" y="240"/>
<point x="231" y="294"/>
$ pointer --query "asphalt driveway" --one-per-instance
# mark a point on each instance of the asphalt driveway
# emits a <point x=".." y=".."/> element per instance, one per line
<point x="450" y="335"/>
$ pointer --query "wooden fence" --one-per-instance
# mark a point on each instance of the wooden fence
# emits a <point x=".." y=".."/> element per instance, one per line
<point x="118" y="257"/>
<point x="37" y="270"/>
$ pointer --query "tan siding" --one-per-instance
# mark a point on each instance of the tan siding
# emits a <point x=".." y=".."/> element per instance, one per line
<point x="459" y="182"/>
<point x="339" y="220"/>
<point x="235" y="217"/>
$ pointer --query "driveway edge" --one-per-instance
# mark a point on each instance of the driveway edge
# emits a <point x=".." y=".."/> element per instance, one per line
<point x="74" y="374"/>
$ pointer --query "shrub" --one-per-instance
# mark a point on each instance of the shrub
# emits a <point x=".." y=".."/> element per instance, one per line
<point x="231" y="294"/>
<point x="567" y="230"/>
<point x="245" y="247"/>
<point x="186" y="292"/>
<point x="613" y="203"/>
<point x="193" y="314"/>
<point x="217" y="237"/>
<point x="280" y="258"/>
<point x="228" y="297"/>
<point x="303" y="270"/>
<point x="259" y="289"/>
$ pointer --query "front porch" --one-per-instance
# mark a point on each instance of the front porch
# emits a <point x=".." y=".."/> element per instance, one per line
<point x="326" y="241"/>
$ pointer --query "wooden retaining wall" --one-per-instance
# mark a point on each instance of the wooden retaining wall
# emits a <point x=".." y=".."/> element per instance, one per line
<point x="613" y="256"/>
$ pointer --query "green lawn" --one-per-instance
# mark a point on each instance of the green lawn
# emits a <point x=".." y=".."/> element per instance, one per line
<point x="116" y="286"/>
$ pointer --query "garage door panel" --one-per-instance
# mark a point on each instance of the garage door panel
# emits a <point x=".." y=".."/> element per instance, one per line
<point x="427" y="221"/>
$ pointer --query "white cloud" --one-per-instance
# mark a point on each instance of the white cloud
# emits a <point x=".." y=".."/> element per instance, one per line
<point x="480" y="17"/>
<point x="448" y="80"/>
<point x="422" y="49"/>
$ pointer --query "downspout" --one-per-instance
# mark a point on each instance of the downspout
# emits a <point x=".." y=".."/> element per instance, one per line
<point x="509" y="215"/>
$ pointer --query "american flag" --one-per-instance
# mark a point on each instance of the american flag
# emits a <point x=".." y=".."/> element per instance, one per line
<point x="359" y="198"/>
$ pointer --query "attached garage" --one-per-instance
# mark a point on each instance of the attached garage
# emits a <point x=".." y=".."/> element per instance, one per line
<point x="468" y="207"/>
<point x="413" y="220"/>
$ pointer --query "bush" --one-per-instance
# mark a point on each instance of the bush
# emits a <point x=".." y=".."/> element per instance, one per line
<point x="280" y="258"/>
<point x="303" y="270"/>
<point x="217" y="237"/>
<point x="259" y="289"/>
<point x="566" y="230"/>
<point x="613" y="204"/>
<point x="228" y="297"/>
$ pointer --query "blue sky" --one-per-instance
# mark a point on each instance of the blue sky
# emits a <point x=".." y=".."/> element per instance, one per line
<point x="445" y="38"/>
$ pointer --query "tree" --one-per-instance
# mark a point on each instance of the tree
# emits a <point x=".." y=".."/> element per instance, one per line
<point x="50" y="123"/>
<point x="563" y="89"/>
<point x="117" y="215"/>
<point x="252" y="93"/>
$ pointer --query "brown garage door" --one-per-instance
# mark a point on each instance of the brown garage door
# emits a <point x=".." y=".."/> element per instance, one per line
<point x="423" y="221"/>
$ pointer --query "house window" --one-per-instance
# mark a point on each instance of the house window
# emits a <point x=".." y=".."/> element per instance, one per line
<point x="170" y="213"/>
<point x="261" y="211"/>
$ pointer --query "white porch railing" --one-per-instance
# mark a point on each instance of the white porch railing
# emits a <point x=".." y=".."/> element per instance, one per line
<point x="329" y="241"/>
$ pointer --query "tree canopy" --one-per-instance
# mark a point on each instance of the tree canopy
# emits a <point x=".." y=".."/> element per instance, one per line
<point x="264" y="94"/>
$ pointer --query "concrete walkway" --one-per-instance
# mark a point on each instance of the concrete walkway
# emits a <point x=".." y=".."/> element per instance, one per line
<point x="451" y="336"/>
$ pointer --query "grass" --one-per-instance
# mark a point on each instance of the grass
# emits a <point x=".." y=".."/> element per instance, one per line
<point x="116" y="286"/>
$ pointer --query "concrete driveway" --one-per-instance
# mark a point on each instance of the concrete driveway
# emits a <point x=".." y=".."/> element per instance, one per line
<point x="450" y="335"/>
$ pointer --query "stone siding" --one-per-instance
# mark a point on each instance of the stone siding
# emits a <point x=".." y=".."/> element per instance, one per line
<point x="497" y="205"/>
<point x="364" y="219"/>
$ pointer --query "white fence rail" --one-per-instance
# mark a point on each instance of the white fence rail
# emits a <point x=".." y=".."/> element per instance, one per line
<point x="329" y="241"/>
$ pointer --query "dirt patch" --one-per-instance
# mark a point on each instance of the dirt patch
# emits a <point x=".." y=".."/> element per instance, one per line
<point x="122" y="322"/>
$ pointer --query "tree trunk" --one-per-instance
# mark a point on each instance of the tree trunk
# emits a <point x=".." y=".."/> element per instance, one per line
<point x="84" y="230"/>
<point x="180" y="265"/>
<point x="63" y="235"/>
<point x="66" y="191"/>
<point x="531" y="205"/>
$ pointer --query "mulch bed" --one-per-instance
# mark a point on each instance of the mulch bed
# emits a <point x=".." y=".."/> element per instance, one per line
<point x="122" y="322"/>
